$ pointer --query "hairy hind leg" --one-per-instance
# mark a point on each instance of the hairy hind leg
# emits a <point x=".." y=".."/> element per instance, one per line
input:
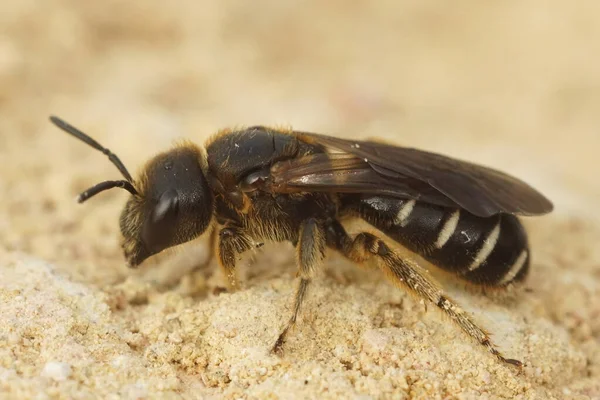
<point x="407" y="273"/>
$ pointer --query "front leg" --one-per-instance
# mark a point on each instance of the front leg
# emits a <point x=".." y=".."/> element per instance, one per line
<point x="310" y="252"/>
<point x="232" y="242"/>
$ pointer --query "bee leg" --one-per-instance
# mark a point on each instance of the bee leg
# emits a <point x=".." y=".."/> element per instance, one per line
<point x="212" y="245"/>
<point x="310" y="252"/>
<point x="407" y="273"/>
<point x="232" y="242"/>
<point x="298" y="299"/>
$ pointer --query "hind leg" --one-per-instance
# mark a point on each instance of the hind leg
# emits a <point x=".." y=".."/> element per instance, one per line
<point x="408" y="274"/>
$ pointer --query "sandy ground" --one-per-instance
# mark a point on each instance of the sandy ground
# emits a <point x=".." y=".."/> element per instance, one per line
<point x="514" y="85"/>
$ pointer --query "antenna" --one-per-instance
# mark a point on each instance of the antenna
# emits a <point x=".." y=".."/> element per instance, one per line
<point x="102" y="186"/>
<point x="70" y="129"/>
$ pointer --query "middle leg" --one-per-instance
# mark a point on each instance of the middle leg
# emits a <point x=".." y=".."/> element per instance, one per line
<point x="310" y="252"/>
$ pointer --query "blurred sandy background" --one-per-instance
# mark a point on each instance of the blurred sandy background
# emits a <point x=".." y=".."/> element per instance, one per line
<point x="514" y="85"/>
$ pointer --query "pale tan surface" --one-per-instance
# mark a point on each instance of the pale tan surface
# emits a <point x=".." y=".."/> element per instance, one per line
<point x="514" y="85"/>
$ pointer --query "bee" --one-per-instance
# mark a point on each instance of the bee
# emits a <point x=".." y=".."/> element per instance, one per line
<point x="265" y="184"/>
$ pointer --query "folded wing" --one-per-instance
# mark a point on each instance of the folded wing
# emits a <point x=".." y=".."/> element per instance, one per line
<point x="383" y="169"/>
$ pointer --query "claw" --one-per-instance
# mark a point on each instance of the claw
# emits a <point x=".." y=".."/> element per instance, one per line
<point x="278" y="346"/>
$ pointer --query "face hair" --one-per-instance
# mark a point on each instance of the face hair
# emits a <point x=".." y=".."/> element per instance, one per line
<point x="102" y="186"/>
<point x="85" y="138"/>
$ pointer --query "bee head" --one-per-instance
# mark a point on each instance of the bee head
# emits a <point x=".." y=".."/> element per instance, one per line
<point x="174" y="204"/>
<point x="171" y="203"/>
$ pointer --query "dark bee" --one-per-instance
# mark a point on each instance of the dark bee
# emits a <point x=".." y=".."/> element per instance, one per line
<point x="259" y="184"/>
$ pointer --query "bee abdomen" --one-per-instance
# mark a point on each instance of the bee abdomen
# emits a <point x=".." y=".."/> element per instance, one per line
<point x="491" y="251"/>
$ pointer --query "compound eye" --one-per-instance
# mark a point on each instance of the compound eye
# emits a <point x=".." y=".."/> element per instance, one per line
<point x="254" y="181"/>
<point x="161" y="225"/>
<point x="167" y="207"/>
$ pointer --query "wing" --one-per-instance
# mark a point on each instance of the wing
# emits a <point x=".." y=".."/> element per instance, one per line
<point x="376" y="168"/>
